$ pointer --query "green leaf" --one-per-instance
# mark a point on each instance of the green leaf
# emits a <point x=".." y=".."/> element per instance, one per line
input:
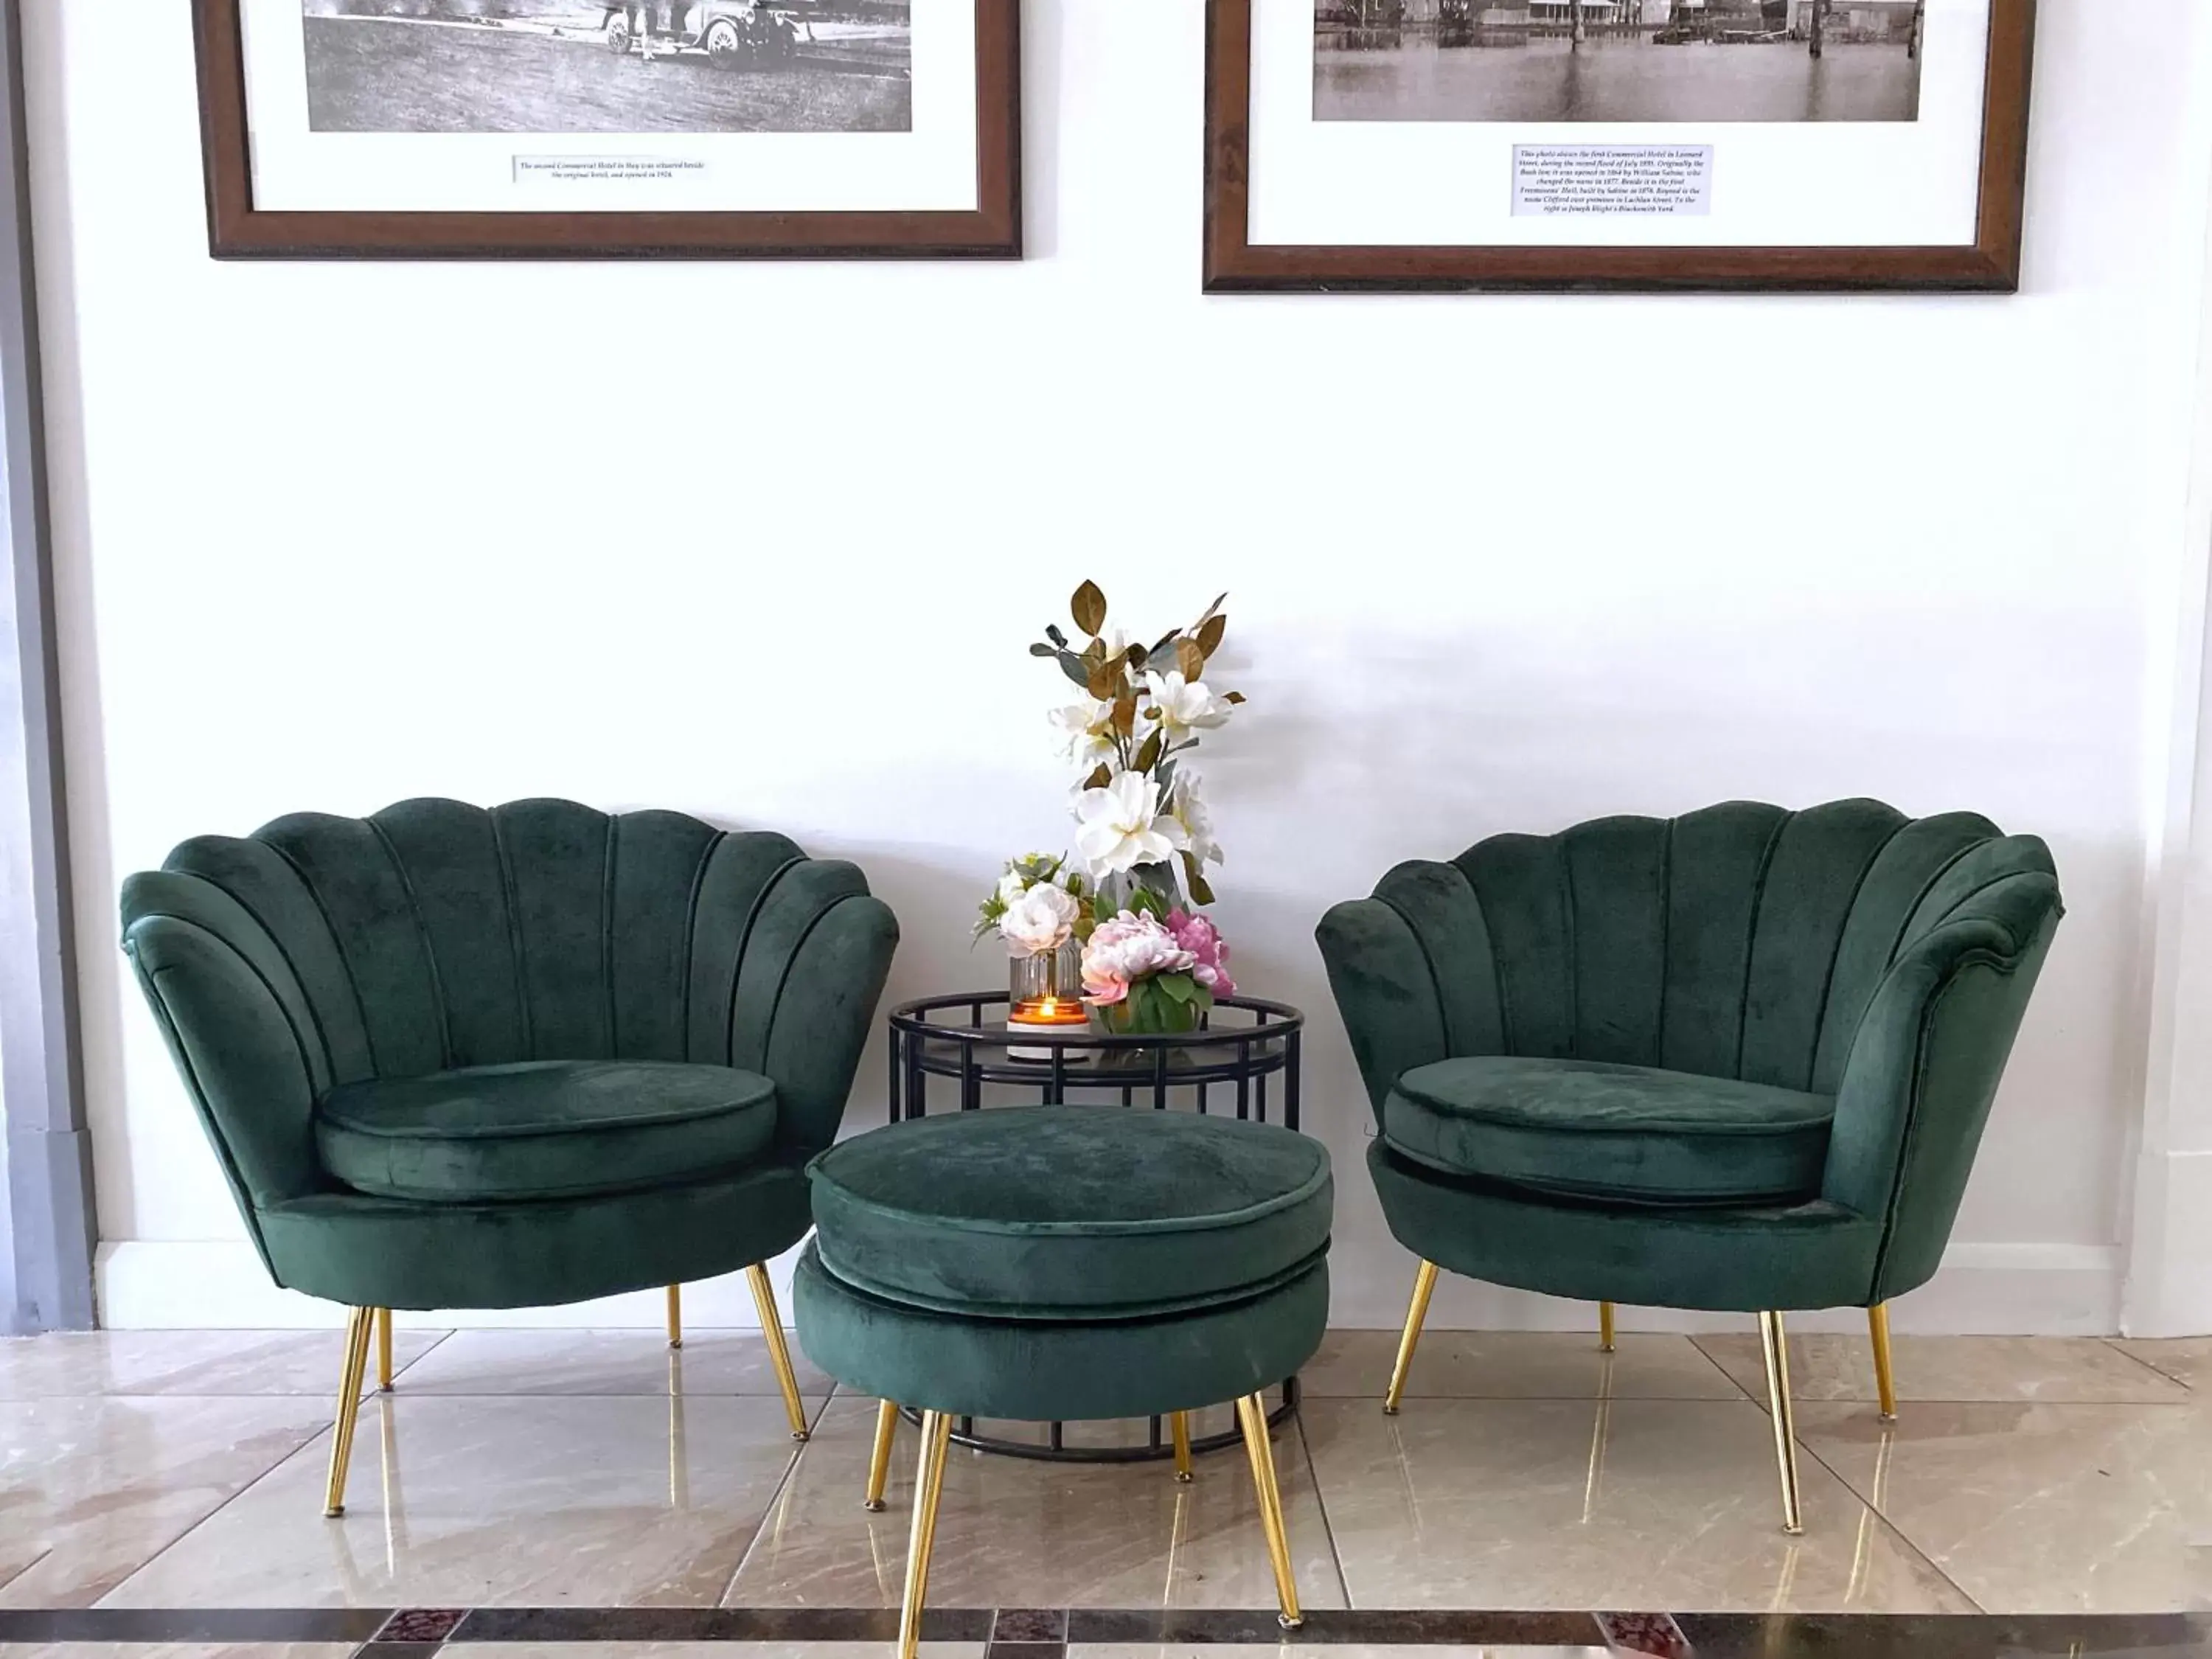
<point x="1052" y="633"/>
<point x="1041" y="649"/>
<point x="1074" y="667"/>
<point x="1149" y="755"/>
<point x="1180" y="986"/>
<point x="1088" y="607"/>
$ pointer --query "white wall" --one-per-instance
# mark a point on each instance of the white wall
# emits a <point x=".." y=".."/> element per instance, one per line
<point x="334" y="534"/>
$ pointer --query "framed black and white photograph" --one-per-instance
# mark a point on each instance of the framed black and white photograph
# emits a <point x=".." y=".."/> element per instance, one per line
<point x="1561" y="144"/>
<point x="611" y="128"/>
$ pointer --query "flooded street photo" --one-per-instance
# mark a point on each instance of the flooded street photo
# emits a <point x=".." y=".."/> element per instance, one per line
<point x="1556" y="80"/>
<point x="1617" y="60"/>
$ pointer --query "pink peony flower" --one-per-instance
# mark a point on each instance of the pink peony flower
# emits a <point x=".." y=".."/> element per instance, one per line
<point x="1209" y="951"/>
<point x="1127" y="949"/>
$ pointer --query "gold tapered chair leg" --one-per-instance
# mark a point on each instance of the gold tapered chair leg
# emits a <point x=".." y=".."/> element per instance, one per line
<point x="1885" y="1378"/>
<point x="1179" y="1424"/>
<point x="879" y="1461"/>
<point x="358" y="1325"/>
<point x="1605" y="1328"/>
<point x="779" y="1351"/>
<point x="1252" y="1417"/>
<point x="675" y="1315"/>
<point x="384" y="1350"/>
<point x="1425" y="1283"/>
<point x="929" y="1488"/>
<point x="1776" y="1343"/>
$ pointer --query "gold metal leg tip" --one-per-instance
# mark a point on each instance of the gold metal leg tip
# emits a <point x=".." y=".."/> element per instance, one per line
<point x="873" y="1505"/>
<point x="332" y="1512"/>
<point x="1887" y="1417"/>
<point x="1288" y="1623"/>
<point x="1184" y="1478"/>
<point x="675" y="1342"/>
<point x="1390" y="1410"/>
<point x="801" y="1434"/>
<point x="1797" y="1531"/>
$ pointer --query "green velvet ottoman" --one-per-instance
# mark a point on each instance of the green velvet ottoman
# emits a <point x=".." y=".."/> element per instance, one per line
<point x="1065" y="1262"/>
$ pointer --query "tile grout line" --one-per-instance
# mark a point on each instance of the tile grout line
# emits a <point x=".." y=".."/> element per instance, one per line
<point x="194" y="1525"/>
<point x="790" y="1473"/>
<point x="1891" y="1526"/>
<point x="1320" y="1503"/>
<point x="2113" y="1343"/>
<point x="1708" y="1356"/>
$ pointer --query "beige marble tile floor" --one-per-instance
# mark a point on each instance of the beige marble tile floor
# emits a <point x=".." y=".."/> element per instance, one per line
<point x="1526" y="1471"/>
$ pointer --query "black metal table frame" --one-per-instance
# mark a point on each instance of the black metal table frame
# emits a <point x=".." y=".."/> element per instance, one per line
<point x="1249" y="1056"/>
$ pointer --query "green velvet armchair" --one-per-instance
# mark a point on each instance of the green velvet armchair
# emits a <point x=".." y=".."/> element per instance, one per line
<point x="457" y="1058"/>
<point x="1739" y="1061"/>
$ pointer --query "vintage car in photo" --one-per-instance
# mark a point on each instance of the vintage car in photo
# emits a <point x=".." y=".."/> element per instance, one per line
<point x="732" y="33"/>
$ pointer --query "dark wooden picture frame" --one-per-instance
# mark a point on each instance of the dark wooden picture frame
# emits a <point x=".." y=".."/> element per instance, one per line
<point x="1234" y="264"/>
<point x="237" y="230"/>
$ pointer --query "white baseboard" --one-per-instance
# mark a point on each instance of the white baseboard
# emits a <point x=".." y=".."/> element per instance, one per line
<point x="221" y="1285"/>
<point x="1983" y="1290"/>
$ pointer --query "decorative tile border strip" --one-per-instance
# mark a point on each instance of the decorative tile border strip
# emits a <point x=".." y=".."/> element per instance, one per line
<point x="1047" y="1633"/>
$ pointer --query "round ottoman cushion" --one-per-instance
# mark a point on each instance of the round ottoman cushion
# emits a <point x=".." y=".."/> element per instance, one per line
<point x="1071" y="1212"/>
<point x="1032" y="1370"/>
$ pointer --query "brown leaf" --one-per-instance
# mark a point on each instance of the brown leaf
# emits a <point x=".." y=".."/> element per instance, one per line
<point x="1125" y="712"/>
<point x="1233" y="697"/>
<point x="1100" y="778"/>
<point x="1105" y="680"/>
<point x="1189" y="659"/>
<point x="1209" y="637"/>
<point x="1194" y="878"/>
<point x="1089" y="608"/>
<point x="1149" y="755"/>
<point x="1210" y="611"/>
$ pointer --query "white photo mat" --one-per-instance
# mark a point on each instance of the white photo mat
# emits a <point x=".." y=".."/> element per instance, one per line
<point x="930" y="168"/>
<point x="1450" y="184"/>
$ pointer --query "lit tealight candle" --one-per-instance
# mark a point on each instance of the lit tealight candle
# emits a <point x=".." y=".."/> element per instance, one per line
<point x="1046" y="1017"/>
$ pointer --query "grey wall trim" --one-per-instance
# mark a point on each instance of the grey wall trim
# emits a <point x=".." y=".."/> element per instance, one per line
<point x="47" y="1225"/>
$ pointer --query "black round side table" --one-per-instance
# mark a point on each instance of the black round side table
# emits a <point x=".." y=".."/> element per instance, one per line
<point x="1242" y="1047"/>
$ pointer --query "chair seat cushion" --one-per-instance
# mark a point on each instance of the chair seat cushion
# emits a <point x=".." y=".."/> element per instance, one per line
<point x="1619" y="1133"/>
<point x="1071" y="1212"/>
<point x="543" y="1129"/>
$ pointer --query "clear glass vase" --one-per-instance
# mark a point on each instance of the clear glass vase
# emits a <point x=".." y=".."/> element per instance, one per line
<point x="1044" y="995"/>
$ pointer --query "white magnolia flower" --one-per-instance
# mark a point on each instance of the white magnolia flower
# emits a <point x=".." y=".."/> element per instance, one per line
<point x="1041" y="919"/>
<point x="1088" y="730"/>
<point x="1197" y="823"/>
<point x="1186" y="706"/>
<point x="1121" y="826"/>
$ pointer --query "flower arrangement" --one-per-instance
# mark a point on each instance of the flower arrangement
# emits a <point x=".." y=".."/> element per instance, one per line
<point x="1037" y="906"/>
<point x="1138" y="808"/>
<point x="1152" y="973"/>
<point x="1150" y="962"/>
